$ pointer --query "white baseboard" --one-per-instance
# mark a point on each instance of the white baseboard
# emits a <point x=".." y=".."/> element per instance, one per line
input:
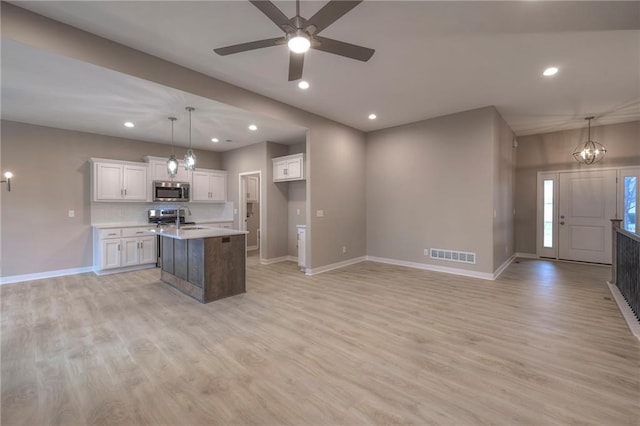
<point x="625" y="310"/>
<point x="527" y="255"/>
<point x="332" y="266"/>
<point x="250" y="248"/>
<point x="435" y="268"/>
<point x="126" y="269"/>
<point x="504" y="266"/>
<point x="42" y="275"/>
<point x="278" y="260"/>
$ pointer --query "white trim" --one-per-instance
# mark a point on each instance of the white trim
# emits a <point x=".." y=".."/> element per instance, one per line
<point x="425" y="266"/>
<point x="42" y="275"/>
<point x="527" y="255"/>
<point x="504" y="266"/>
<point x="337" y="265"/>
<point x="250" y="248"/>
<point x="278" y="260"/>
<point x="125" y="269"/>
<point x="261" y="202"/>
<point x="625" y="310"/>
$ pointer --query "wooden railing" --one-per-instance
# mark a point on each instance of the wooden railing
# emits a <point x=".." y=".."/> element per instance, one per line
<point x="625" y="269"/>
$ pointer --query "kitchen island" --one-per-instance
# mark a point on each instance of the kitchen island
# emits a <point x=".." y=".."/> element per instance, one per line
<point x="206" y="263"/>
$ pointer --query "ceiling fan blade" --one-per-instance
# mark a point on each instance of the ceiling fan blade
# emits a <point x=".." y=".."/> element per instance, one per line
<point x="272" y="12"/>
<point x="296" y="61"/>
<point x="343" y="49"/>
<point x="330" y="13"/>
<point x="243" y="47"/>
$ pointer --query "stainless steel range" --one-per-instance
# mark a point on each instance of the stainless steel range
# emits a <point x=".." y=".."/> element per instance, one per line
<point x="166" y="217"/>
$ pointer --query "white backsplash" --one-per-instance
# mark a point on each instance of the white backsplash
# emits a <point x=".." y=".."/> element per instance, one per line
<point x="104" y="213"/>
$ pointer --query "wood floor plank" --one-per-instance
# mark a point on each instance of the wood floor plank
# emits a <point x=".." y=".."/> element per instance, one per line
<point x="366" y="344"/>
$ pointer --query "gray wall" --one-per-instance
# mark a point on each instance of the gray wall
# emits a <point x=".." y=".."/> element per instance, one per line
<point x="503" y="192"/>
<point x="297" y="201"/>
<point x="430" y="184"/>
<point x="335" y="153"/>
<point x="552" y="151"/>
<point x="51" y="177"/>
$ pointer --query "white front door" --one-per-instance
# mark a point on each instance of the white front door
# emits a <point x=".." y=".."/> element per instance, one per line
<point x="587" y="203"/>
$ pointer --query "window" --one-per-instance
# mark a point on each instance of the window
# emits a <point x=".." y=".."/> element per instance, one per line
<point x="547" y="240"/>
<point x="630" y="202"/>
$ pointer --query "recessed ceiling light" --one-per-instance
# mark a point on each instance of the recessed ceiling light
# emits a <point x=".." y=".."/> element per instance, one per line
<point x="372" y="116"/>
<point x="303" y="85"/>
<point x="215" y="140"/>
<point x="129" y="124"/>
<point x="550" y="71"/>
<point x="253" y="127"/>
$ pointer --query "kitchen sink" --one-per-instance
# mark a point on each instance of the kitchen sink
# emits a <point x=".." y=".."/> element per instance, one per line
<point x="192" y="228"/>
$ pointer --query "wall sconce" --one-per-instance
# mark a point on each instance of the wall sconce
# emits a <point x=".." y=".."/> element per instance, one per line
<point x="8" y="176"/>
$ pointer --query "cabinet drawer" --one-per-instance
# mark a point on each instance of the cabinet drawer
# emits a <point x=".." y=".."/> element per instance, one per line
<point x="109" y="233"/>
<point x="134" y="232"/>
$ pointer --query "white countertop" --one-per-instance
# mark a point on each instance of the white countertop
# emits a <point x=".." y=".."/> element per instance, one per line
<point x="184" y="233"/>
<point x="145" y="224"/>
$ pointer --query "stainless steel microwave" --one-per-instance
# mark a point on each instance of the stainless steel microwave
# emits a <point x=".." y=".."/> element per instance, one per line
<point x="171" y="191"/>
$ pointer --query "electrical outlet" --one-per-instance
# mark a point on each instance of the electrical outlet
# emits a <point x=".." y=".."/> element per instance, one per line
<point x="319" y="213"/>
<point x="344" y="249"/>
<point x="426" y="252"/>
<point x="72" y="213"/>
<point x="298" y="212"/>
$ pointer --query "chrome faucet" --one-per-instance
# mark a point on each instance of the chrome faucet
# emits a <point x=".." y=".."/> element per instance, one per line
<point x="178" y="209"/>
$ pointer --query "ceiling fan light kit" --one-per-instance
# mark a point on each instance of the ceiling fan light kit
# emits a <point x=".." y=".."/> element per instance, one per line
<point x="302" y="34"/>
<point x="590" y="151"/>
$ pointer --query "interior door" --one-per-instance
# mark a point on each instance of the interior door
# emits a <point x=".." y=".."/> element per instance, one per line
<point x="587" y="203"/>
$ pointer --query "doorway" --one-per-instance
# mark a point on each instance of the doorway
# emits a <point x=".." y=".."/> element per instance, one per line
<point x="575" y="209"/>
<point x="249" y="213"/>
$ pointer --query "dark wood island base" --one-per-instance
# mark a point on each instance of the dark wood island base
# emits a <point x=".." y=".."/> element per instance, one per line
<point x="206" y="269"/>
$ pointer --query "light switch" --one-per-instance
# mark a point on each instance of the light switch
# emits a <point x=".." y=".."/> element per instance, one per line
<point x="72" y="213"/>
<point x="298" y="212"/>
<point x="319" y="213"/>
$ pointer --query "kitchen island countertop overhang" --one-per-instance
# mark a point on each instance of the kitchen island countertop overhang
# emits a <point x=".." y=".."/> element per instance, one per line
<point x="188" y="232"/>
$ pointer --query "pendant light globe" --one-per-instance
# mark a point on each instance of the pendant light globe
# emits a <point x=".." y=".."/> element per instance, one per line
<point x="190" y="156"/>
<point x="172" y="162"/>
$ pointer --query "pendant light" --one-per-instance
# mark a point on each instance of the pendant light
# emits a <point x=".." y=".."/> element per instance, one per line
<point x="190" y="157"/>
<point x="172" y="162"/>
<point x="591" y="151"/>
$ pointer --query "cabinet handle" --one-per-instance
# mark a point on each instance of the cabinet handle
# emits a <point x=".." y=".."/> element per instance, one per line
<point x="112" y="234"/>
<point x="125" y="192"/>
<point x="286" y="171"/>
<point x="141" y="244"/>
<point x="118" y="247"/>
<point x="139" y="232"/>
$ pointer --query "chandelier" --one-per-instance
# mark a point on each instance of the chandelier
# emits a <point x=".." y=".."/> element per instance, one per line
<point x="590" y="151"/>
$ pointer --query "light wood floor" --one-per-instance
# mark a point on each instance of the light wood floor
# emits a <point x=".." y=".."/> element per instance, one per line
<point x="367" y="344"/>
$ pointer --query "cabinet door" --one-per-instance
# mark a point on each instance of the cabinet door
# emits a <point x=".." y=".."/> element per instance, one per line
<point x="159" y="171"/>
<point x="135" y="183"/>
<point x="108" y="182"/>
<point x="148" y="249"/>
<point x="280" y="170"/>
<point x="218" y="187"/>
<point x="130" y="251"/>
<point x="200" y="188"/>
<point x="294" y="168"/>
<point x="110" y="254"/>
<point x="182" y="175"/>
<point x="252" y="189"/>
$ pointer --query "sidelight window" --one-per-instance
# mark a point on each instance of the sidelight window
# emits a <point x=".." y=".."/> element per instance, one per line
<point x="547" y="240"/>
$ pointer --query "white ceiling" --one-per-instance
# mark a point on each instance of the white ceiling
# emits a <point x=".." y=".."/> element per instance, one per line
<point x="47" y="89"/>
<point x="432" y="58"/>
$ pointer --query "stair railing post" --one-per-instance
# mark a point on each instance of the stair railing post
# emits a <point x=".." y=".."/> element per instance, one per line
<point x="615" y="225"/>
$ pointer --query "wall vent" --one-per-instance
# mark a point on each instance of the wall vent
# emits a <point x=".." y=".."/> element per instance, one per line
<point x="453" y="256"/>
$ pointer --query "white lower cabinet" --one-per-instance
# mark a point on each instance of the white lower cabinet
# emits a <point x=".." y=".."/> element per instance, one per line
<point x="123" y="248"/>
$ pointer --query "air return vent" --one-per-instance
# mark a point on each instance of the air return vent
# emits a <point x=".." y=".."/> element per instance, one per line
<point x="453" y="256"/>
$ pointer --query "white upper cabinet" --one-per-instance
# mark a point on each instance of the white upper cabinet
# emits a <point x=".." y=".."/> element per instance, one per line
<point x="288" y="168"/>
<point x="119" y="181"/>
<point x="209" y="186"/>
<point x="158" y="170"/>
